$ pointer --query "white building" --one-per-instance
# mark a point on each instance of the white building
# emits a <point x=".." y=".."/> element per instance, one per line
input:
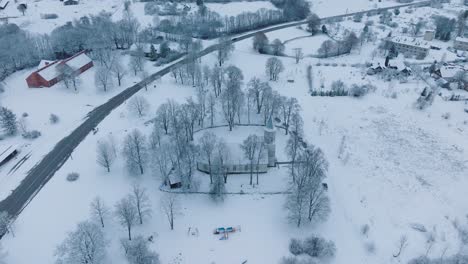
<point x="461" y="43"/>
<point x="409" y="45"/>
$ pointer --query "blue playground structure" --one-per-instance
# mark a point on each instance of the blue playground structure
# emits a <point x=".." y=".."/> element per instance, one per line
<point x="225" y="232"/>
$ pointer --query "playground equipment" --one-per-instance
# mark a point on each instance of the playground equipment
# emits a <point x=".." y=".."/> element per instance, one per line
<point x="225" y="231"/>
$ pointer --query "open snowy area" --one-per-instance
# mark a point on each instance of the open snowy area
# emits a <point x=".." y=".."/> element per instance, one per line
<point x="229" y="133"/>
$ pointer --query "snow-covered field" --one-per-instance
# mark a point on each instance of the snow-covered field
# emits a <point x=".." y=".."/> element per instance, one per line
<point x="400" y="166"/>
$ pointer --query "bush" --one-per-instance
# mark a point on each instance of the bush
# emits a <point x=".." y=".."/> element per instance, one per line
<point x="365" y="230"/>
<point x="54" y="119"/>
<point x="295" y="247"/>
<point x="73" y="176"/>
<point x="358" y="91"/>
<point x="319" y="248"/>
<point x="25" y="114"/>
<point x="31" y="134"/>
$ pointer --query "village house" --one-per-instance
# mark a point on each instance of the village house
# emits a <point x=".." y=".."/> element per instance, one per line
<point x="410" y="46"/>
<point x="446" y="75"/>
<point x="460" y="43"/>
<point x="49" y="74"/>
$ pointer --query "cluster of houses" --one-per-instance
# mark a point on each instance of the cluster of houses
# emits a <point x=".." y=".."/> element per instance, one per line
<point x="51" y="72"/>
<point x="450" y="75"/>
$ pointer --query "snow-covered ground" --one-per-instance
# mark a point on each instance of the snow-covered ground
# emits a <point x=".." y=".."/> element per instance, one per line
<point x="400" y="166"/>
<point x="235" y="8"/>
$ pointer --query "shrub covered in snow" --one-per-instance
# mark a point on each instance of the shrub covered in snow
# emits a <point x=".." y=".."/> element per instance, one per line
<point x="360" y="90"/>
<point x="73" y="176"/>
<point x="33" y="134"/>
<point x="54" y="119"/>
<point x="295" y="247"/>
<point x="319" y="248"/>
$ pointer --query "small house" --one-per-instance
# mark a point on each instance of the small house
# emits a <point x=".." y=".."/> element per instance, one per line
<point x="460" y="43"/>
<point x="174" y="181"/>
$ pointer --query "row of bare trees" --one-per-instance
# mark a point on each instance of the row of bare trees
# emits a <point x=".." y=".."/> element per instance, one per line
<point x="307" y="198"/>
<point x="88" y="242"/>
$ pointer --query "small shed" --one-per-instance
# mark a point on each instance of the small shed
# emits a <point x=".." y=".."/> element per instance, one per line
<point x="7" y="153"/>
<point x="174" y="181"/>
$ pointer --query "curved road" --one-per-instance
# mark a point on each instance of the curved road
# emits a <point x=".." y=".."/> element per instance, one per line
<point x="43" y="171"/>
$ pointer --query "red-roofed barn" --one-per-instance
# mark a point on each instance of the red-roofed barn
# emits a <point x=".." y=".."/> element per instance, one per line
<point x="49" y="75"/>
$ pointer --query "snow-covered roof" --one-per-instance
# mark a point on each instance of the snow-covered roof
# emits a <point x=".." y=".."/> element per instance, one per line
<point x="415" y="42"/>
<point x="5" y="151"/>
<point x="77" y="61"/>
<point x="449" y="71"/>
<point x="49" y="72"/>
<point x="44" y="63"/>
<point x="461" y="39"/>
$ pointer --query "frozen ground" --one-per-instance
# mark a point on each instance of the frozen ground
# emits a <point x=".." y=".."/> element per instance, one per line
<point x="70" y="106"/>
<point x="400" y="166"/>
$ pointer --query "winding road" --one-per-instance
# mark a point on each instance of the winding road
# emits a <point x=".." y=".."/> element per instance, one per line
<point x="45" y="169"/>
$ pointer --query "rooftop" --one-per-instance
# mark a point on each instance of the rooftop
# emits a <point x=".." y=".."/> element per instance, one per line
<point x="410" y="41"/>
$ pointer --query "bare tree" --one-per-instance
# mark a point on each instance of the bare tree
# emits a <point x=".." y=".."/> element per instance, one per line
<point x="118" y="70"/>
<point x="105" y="154"/>
<point x="144" y="75"/>
<point x="217" y="80"/>
<point x="142" y="202"/>
<point x="163" y="162"/>
<point x="208" y="142"/>
<point x="163" y="116"/>
<point x="136" y="63"/>
<point x="231" y="99"/>
<point x="225" y="49"/>
<point x="218" y="188"/>
<point x="273" y="68"/>
<point x="222" y="156"/>
<point x="103" y="78"/>
<point x="138" y="105"/>
<point x="307" y="199"/>
<point x="298" y="55"/>
<point x="212" y="108"/>
<point x="126" y="214"/>
<point x="135" y="151"/>
<point x="99" y="210"/>
<point x="69" y="77"/>
<point x="170" y="207"/>
<point x="84" y="245"/>
<point x="138" y="252"/>
<point x="250" y="146"/>
<point x="288" y="108"/>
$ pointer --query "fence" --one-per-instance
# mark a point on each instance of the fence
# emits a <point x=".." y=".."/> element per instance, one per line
<point x="234" y="168"/>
